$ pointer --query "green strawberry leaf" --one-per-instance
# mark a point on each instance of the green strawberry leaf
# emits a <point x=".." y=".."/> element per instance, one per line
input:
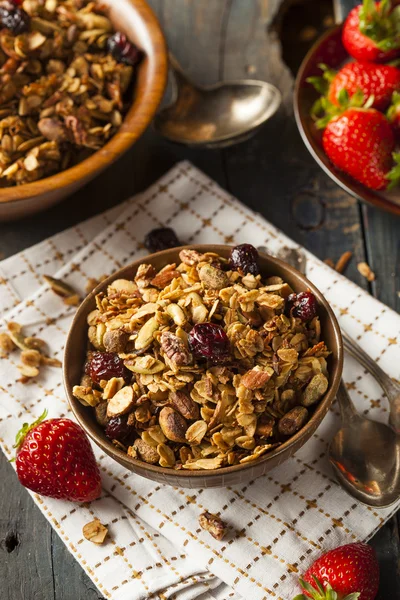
<point x="353" y="596"/>
<point x="394" y="175"/>
<point x="319" y="83"/>
<point x="26" y="428"/>
<point x="300" y="597"/>
<point x="381" y="24"/>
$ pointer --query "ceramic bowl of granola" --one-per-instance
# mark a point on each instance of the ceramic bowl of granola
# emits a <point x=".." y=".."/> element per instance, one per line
<point x="79" y="83"/>
<point x="203" y="366"/>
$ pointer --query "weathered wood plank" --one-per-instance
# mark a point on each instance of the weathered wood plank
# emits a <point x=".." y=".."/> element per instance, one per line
<point x="25" y="543"/>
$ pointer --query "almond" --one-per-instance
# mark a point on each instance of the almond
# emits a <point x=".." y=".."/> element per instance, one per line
<point x="121" y="403"/>
<point x="255" y="379"/>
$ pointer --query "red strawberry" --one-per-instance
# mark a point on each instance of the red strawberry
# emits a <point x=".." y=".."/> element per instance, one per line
<point x="379" y="81"/>
<point x="360" y="142"/>
<point x="55" y="458"/>
<point x="371" y="32"/>
<point x="349" y="572"/>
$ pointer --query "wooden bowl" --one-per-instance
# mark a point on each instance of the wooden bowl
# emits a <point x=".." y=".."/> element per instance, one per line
<point x="136" y="19"/>
<point x="75" y="354"/>
<point x="329" y="50"/>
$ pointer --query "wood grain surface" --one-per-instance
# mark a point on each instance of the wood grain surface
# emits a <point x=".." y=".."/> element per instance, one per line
<point x="274" y="174"/>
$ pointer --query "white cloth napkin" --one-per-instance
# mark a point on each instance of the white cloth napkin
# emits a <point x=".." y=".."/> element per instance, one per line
<point x="279" y="523"/>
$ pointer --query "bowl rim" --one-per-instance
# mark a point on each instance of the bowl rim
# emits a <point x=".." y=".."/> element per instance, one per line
<point x="135" y="122"/>
<point x="342" y="180"/>
<point x="111" y="449"/>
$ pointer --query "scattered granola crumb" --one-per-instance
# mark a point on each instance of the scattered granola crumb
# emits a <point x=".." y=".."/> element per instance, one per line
<point x="366" y="271"/>
<point x="95" y="532"/>
<point x="213" y="524"/>
<point x="343" y="261"/>
<point x="6" y="343"/>
<point x="329" y="262"/>
<point x="32" y="352"/>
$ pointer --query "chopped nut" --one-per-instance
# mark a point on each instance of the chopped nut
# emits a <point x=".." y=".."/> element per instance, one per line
<point x="101" y="413"/>
<point x="212" y="277"/>
<point x="183" y="403"/>
<point x="86" y="395"/>
<point x="173" y="425"/>
<point x="175" y="349"/>
<point x="115" y="341"/>
<point x="256" y="378"/>
<point x="294" y="420"/>
<point x="213" y="524"/>
<point x="146" y="452"/>
<point x="315" y="389"/>
<point x="366" y="271"/>
<point x="190" y="257"/>
<point x="121" y="403"/>
<point x="95" y="532"/>
<point x="164" y="277"/>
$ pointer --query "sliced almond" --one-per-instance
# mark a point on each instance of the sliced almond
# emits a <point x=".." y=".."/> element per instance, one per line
<point x="195" y="433"/>
<point x="121" y="403"/>
<point x="28" y="371"/>
<point x="122" y="286"/>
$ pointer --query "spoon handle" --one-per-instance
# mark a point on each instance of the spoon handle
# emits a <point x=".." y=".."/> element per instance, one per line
<point x="341" y="8"/>
<point x="347" y="408"/>
<point x="391" y="389"/>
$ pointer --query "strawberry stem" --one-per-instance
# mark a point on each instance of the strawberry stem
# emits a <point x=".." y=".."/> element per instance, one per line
<point x="380" y="22"/>
<point x="26" y="428"/>
<point x="394" y="174"/>
<point x="319" y="592"/>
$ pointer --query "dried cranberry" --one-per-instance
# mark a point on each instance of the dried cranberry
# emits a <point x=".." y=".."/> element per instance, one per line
<point x="118" y="429"/>
<point x="105" y="365"/>
<point x="123" y="50"/>
<point x="245" y="258"/>
<point x="302" y="306"/>
<point x="15" y="19"/>
<point x="209" y="340"/>
<point x="161" y="239"/>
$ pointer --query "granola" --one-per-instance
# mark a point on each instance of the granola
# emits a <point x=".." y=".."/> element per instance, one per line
<point x="214" y="367"/>
<point x="65" y="77"/>
<point x="33" y="351"/>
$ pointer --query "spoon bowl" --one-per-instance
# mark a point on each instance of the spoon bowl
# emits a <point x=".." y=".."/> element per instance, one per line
<point x="216" y="116"/>
<point x="365" y="456"/>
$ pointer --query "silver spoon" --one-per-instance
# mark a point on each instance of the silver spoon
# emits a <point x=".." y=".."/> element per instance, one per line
<point x="365" y="456"/>
<point x="218" y="115"/>
<point x="391" y="389"/>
